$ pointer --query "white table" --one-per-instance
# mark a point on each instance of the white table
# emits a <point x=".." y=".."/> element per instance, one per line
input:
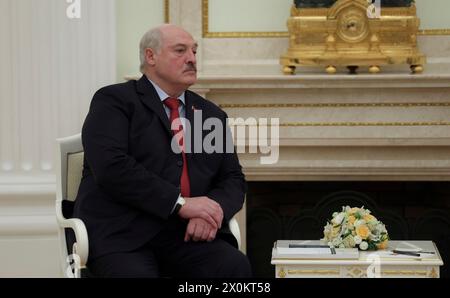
<point x="369" y="264"/>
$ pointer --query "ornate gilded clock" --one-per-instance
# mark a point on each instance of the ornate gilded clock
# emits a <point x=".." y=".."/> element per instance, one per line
<point x="352" y="25"/>
<point x="332" y="33"/>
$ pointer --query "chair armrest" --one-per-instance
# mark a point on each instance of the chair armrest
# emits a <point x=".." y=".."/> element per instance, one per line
<point x="234" y="228"/>
<point x="81" y="245"/>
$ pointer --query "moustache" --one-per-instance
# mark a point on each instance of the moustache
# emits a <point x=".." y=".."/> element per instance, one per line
<point x="190" y="67"/>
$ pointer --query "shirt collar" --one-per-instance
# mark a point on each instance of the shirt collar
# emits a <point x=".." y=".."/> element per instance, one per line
<point x="163" y="95"/>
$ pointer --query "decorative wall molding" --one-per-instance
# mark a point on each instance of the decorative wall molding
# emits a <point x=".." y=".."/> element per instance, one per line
<point x="166" y="11"/>
<point x="433" y="78"/>
<point x="340" y="124"/>
<point x="42" y="225"/>
<point x="51" y="65"/>
<point x="347" y="173"/>
<point x="274" y="34"/>
<point x="50" y="70"/>
<point x="348" y="105"/>
<point x="337" y="105"/>
<point x="207" y="34"/>
<point x="434" y="32"/>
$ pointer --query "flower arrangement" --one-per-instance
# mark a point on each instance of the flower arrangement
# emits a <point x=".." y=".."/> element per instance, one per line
<point x="355" y="227"/>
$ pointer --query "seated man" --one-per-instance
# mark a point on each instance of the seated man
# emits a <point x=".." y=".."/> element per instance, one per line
<point x="151" y="207"/>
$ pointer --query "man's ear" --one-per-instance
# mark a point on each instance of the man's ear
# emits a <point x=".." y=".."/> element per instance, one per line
<point x="150" y="56"/>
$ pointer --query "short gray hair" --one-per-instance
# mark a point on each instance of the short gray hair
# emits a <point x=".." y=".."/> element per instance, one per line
<point x="151" y="39"/>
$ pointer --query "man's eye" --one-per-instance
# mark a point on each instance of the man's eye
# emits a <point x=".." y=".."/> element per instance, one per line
<point x="179" y="50"/>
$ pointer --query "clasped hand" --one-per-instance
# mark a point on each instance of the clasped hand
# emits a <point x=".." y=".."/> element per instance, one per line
<point x="205" y="218"/>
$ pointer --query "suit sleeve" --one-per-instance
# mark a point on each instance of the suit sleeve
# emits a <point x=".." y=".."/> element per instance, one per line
<point x="105" y="141"/>
<point x="229" y="186"/>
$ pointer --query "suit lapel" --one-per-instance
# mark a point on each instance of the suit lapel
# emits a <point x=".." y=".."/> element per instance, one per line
<point x="193" y="105"/>
<point x="150" y="99"/>
<point x="189" y="107"/>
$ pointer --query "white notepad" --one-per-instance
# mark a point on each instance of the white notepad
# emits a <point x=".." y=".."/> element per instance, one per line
<point x="311" y="250"/>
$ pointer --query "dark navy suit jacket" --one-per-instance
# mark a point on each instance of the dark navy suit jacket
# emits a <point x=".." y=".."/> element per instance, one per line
<point x="131" y="175"/>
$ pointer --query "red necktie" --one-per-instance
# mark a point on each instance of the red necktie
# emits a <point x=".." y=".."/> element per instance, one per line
<point x="173" y="104"/>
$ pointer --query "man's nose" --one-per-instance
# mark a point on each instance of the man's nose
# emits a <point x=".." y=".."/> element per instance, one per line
<point x="191" y="58"/>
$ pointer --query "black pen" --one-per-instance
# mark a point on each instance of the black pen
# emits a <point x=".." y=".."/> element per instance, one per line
<point x="416" y="252"/>
<point x="409" y="253"/>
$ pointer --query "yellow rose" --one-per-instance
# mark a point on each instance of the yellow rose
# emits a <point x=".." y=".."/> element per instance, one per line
<point x="369" y="217"/>
<point x="362" y="231"/>
<point x="335" y="232"/>
<point x="351" y="219"/>
<point x="382" y="245"/>
<point x="353" y="210"/>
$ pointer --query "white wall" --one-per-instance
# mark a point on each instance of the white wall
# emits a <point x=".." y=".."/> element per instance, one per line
<point x="134" y="18"/>
<point x="50" y="67"/>
<point x="249" y="15"/>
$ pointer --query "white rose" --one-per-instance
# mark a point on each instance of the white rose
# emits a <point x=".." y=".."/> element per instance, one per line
<point x="349" y="241"/>
<point x="327" y="231"/>
<point x="375" y="238"/>
<point x="373" y="225"/>
<point x="337" y="220"/>
<point x="336" y="242"/>
<point x="357" y="240"/>
<point x="364" y="245"/>
<point x="359" y="222"/>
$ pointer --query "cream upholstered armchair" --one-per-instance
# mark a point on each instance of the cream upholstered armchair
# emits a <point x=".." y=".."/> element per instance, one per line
<point x="72" y="230"/>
